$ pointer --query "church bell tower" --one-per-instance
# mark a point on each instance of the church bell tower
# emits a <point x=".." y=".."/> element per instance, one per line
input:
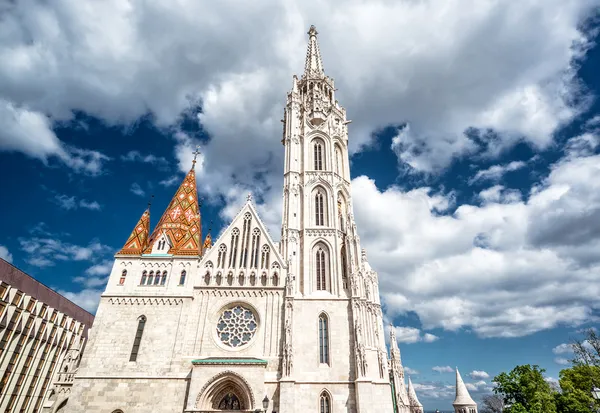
<point x="335" y="335"/>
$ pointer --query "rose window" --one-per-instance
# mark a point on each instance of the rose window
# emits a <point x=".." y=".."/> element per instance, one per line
<point x="236" y="326"/>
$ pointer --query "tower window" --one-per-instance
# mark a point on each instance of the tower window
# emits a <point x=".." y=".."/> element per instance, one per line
<point x="138" y="338"/>
<point x="321" y="269"/>
<point x="264" y="260"/>
<point x="318" y="154"/>
<point x="150" y="280"/>
<point x="344" y="267"/>
<point x="323" y="340"/>
<point x="182" y="277"/>
<point x="221" y="256"/>
<point x="319" y="209"/>
<point x="157" y="278"/>
<point x="235" y="236"/>
<point x="163" y="280"/>
<point x="122" y="279"/>
<point x="144" y="277"/>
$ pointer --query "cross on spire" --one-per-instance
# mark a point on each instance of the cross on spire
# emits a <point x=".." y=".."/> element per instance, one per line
<point x="196" y="153"/>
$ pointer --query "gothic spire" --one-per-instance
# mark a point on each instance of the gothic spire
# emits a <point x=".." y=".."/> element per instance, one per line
<point x="138" y="240"/>
<point x="463" y="398"/>
<point x="394" y="350"/>
<point x="313" y="68"/>
<point x="181" y="220"/>
<point x="412" y="395"/>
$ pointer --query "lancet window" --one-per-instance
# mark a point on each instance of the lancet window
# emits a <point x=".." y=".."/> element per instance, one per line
<point x="319" y="208"/>
<point x="324" y="403"/>
<point x="255" y="247"/>
<point x="222" y="255"/>
<point x="245" y="240"/>
<point x="318" y="155"/>
<point x="138" y="338"/>
<point x="264" y="258"/>
<point x="122" y="279"/>
<point x="182" y="277"/>
<point x="150" y="278"/>
<point x="235" y="238"/>
<point x="344" y="262"/>
<point x="323" y="339"/>
<point x="321" y="261"/>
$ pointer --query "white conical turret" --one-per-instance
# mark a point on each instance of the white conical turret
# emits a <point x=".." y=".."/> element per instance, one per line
<point x="415" y="404"/>
<point x="463" y="403"/>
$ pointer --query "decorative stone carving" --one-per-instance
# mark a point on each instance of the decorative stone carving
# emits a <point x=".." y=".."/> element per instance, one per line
<point x="289" y="285"/>
<point x="382" y="369"/>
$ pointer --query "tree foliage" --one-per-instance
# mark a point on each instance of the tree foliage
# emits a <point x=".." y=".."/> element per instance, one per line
<point x="587" y="351"/>
<point x="526" y="390"/>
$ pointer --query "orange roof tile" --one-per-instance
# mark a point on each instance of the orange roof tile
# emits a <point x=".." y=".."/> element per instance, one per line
<point x="138" y="240"/>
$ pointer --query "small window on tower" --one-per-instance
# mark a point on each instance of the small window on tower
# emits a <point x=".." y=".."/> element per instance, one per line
<point x="144" y="277"/>
<point x="122" y="279"/>
<point x="182" y="277"/>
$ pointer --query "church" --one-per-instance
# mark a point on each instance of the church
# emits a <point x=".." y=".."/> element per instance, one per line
<point x="244" y="323"/>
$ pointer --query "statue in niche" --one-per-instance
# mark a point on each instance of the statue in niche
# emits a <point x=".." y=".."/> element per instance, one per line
<point x="229" y="402"/>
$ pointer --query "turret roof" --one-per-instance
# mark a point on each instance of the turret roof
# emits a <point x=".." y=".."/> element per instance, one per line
<point x="412" y="395"/>
<point x="138" y="240"/>
<point x="462" y="394"/>
<point x="313" y="67"/>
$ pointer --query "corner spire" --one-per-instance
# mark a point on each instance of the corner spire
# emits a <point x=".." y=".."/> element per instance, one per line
<point x="138" y="240"/>
<point x="412" y="395"/>
<point x="180" y="222"/>
<point x="463" y="398"/>
<point x="313" y="67"/>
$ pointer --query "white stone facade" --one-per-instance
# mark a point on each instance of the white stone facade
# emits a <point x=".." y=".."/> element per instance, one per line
<point x="297" y="323"/>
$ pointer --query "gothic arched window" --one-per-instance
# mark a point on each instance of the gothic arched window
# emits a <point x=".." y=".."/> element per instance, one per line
<point x="323" y="339"/>
<point x="318" y="155"/>
<point x="150" y="278"/>
<point x="144" y="276"/>
<point x="324" y="403"/>
<point x="235" y="236"/>
<point x="157" y="278"/>
<point x="138" y="338"/>
<point x="222" y="255"/>
<point x="321" y="268"/>
<point x="264" y="260"/>
<point x="319" y="208"/>
<point x="339" y="164"/>
<point x="122" y="279"/>
<point x="163" y="280"/>
<point x="255" y="247"/>
<point x="182" y="277"/>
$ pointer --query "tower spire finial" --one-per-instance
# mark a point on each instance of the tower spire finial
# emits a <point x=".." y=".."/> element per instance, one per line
<point x="196" y="153"/>
<point x="150" y="201"/>
<point x="313" y="66"/>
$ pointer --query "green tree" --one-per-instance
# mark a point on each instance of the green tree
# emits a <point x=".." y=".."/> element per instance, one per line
<point x="587" y="351"/>
<point x="525" y="390"/>
<point x="576" y="384"/>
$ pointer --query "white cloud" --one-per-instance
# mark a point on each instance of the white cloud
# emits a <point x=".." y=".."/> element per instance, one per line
<point x="88" y="298"/>
<point x="564" y="348"/>
<point x="477" y="386"/>
<point x="71" y="202"/>
<point x="495" y="172"/>
<point x="499" y="269"/>
<point x="137" y="189"/>
<point x="5" y="254"/>
<point x="479" y="374"/>
<point x="443" y="369"/>
<point x="44" y="252"/>
<point x="136" y="156"/>
<point x="173" y="180"/>
<point x="410" y="372"/>
<point x="562" y="361"/>
<point x="411" y="335"/>
<point x="100" y="269"/>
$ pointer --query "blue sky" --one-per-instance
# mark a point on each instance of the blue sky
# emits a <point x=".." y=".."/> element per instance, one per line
<point x="475" y="153"/>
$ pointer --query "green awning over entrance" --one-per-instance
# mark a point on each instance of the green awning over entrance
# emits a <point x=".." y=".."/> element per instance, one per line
<point x="224" y="360"/>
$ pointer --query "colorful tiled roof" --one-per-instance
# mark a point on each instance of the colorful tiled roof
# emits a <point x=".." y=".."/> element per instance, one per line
<point x="181" y="220"/>
<point x="138" y="240"/>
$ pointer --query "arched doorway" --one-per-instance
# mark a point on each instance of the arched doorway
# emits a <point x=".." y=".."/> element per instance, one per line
<point x="227" y="391"/>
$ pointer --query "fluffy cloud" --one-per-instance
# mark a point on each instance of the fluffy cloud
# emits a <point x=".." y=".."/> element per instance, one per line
<point x="137" y="189"/>
<point x="88" y="298"/>
<point x="44" y="252"/>
<point x="5" y="254"/>
<point x="563" y="349"/>
<point x="71" y="202"/>
<point x="443" y="369"/>
<point x="136" y="156"/>
<point x="411" y="335"/>
<point x="513" y="78"/>
<point x="479" y="374"/>
<point x="410" y="372"/>
<point x="508" y="267"/>
<point x="495" y="172"/>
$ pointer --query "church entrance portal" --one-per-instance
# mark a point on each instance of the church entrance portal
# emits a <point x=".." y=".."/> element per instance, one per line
<point x="228" y="393"/>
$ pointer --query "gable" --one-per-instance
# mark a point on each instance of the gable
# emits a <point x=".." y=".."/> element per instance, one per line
<point x="245" y="245"/>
